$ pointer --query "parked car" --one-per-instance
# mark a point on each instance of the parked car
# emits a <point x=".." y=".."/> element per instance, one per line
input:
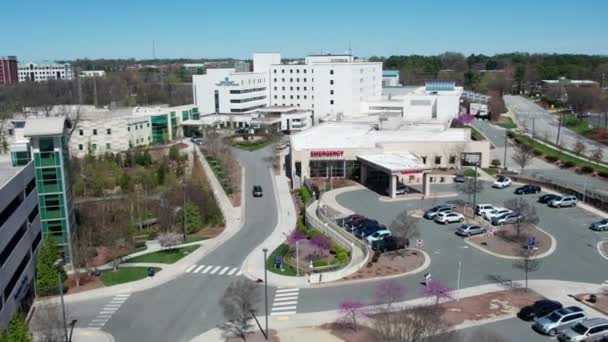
<point x="527" y="189"/>
<point x="402" y="189"/>
<point x="508" y="218"/>
<point x="594" y="329"/>
<point x="379" y="235"/>
<point x="482" y="208"/>
<point x="242" y="131"/>
<point x="257" y="191"/>
<point x="600" y="226"/>
<point x="490" y="214"/>
<point x="390" y="243"/>
<point x="501" y="182"/>
<point x="345" y="222"/>
<point x="559" y="320"/>
<point x="468" y="229"/>
<point x="539" y="308"/>
<point x="362" y="225"/>
<point x="441" y="208"/>
<point x="544" y="199"/>
<point x="459" y="178"/>
<point x="369" y="230"/>
<point x="449" y="217"/>
<point x="564" y="201"/>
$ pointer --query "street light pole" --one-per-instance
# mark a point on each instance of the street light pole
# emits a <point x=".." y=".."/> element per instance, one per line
<point x="504" y="161"/>
<point x="57" y="266"/>
<point x="458" y="282"/>
<point x="266" y="290"/>
<point x="298" y="257"/>
<point x="184" y="211"/>
<point x="475" y="189"/>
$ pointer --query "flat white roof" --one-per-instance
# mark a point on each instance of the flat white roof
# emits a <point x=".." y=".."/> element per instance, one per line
<point x="41" y="127"/>
<point x="344" y="135"/>
<point x="394" y="162"/>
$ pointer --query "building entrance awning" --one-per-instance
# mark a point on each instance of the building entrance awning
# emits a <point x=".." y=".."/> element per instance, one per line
<point x="395" y="163"/>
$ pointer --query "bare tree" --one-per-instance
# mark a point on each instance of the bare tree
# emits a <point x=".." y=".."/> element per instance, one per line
<point x="437" y="289"/>
<point x="47" y="323"/>
<point x="579" y="147"/>
<point x="527" y="212"/>
<point x="352" y="311"/>
<point x="389" y="292"/>
<point x="405" y="226"/>
<point x="417" y="324"/>
<point x="597" y="154"/>
<point x="523" y="156"/>
<point x="471" y="186"/>
<point x="582" y="99"/>
<point x="527" y="263"/>
<point x="238" y="305"/>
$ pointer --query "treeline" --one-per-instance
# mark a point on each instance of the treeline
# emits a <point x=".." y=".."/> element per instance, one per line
<point x="120" y="64"/>
<point x="521" y="67"/>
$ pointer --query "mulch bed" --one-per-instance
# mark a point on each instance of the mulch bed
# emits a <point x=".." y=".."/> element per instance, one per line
<point x="257" y="336"/>
<point x="506" y="242"/>
<point x="86" y="283"/>
<point x="210" y="232"/>
<point x="600" y="305"/>
<point x="604" y="248"/>
<point x="390" y="264"/>
<point x="348" y="334"/>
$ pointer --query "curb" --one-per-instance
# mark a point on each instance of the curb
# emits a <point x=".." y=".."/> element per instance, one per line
<point x="418" y="197"/>
<point x="424" y="266"/>
<point x="599" y="249"/>
<point x="510" y="257"/>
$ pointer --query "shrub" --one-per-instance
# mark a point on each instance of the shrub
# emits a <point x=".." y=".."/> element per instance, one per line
<point x="586" y="169"/>
<point x="305" y="194"/>
<point x="46" y="275"/>
<point x="537" y="152"/>
<point x="495" y="162"/>
<point x="311" y="232"/>
<point x="376" y="256"/>
<point x="320" y="263"/>
<point x="341" y="256"/>
<point x="551" y="159"/>
<point x="300" y="224"/>
<point x="282" y="250"/>
<point x="568" y="164"/>
<point x="603" y="174"/>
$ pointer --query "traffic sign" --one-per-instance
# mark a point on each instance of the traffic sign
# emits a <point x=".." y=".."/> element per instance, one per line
<point x="420" y="243"/>
<point x="531" y="241"/>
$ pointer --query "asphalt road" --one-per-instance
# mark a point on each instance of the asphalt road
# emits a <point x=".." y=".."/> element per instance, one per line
<point x="187" y="306"/>
<point x="546" y="124"/>
<point x="512" y="330"/>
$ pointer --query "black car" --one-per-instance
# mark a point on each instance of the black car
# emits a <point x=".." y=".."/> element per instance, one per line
<point x="527" y="189"/>
<point x="548" y="198"/>
<point x="459" y="178"/>
<point x="362" y="225"/>
<point x="257" y="191"/>
<point x="538" y="309"/>
<point x="370" y="229"/>
<point x="390" y="243"/>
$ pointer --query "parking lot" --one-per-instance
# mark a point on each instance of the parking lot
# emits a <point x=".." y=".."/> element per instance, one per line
<point x="575" y="250"/>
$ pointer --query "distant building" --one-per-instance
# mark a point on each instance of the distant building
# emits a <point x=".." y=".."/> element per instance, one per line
<point x="194" y="68"/>
<point x="92" y="73"/>
<point x="390" y="78"/>
<point x="242" y="66"/>
<point x="33" y="72"/>
<point x="562" y="81"/>
<point x="8" y="70"/>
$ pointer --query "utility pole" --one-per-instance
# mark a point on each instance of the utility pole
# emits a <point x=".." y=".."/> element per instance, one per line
<point x="533" y="128"/>
<point x="184" y="211"/>
<point x="458" y="282"/>
<point x="265" y="250"/>
<point x="559" y="128"/>
<point x="504" y="161"/>
<point x="475" y="188"/>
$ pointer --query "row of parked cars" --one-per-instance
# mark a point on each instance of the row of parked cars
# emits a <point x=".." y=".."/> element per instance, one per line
<point x="568" y="323"/>
<point x="377" y="235"/>
<point x="444" y="214"/>
<point x="552" y="200"/>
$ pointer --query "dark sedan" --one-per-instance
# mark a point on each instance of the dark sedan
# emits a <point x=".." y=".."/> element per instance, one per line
<point x="548" y="198"/>
<point x="527" y="189"/>
<point x="539" y="308"/>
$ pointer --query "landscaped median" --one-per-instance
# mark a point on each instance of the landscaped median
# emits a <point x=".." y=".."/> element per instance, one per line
<point x="124" y="275"/>
<point x="507" y="242"/>
<point x="165" y="256"/>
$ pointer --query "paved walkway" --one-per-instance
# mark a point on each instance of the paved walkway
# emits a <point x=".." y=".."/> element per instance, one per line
<point x="554" y="289"/>
<point x="91" y="335"/>
<point x="232" y="217"/>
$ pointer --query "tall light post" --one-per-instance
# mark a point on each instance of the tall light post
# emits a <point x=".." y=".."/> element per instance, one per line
<point x="298" y="257"/>
<point x="458" y="282"/>
<point x="504" y="161"/>
<point x="266" y="290"/>
<point x="475" y="188"/>
<point x="57" y="265"/>
<point x="184" y="211"/>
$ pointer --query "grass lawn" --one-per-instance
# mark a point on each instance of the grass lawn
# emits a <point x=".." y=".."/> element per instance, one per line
<point x="192" y="238"/>
<point x="124" y="275"/>
<point x="288" y="270"/>
<point x="470" y="173"/>
<point x="476" y="134"/>
<point x="506" y="122"/>
<point x="168" y="256"/>
<point x="218" y="170"/>
<point x="251" y="145"/>
<point x="580" y="126"/>
<point x="492" y="171"/>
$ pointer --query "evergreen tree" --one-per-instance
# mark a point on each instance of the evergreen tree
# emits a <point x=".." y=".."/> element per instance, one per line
<point x="194" y="222"/>
<point x="17" y="330"/>
<point x="147" y="158"/>
<point x="125" y="182"/>
<point x="161" y="172"/>
<point x="46" y="275"/>
<point x="173" y="153"/>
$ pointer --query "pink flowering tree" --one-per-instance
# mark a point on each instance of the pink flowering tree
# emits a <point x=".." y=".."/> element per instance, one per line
<point x="439" y="290"/>
<point x="321" y="241"/>
<point x="351" y="311"/>
<point x="389" y="292"/>
<point x="464" y="118"/>
<point x="294" y="237"/>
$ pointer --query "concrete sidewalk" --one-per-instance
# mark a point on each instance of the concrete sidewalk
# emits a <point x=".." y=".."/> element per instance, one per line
<point x="232" y="216"/>
<point x="553" y="289"/>
<point x="91" y="335"/>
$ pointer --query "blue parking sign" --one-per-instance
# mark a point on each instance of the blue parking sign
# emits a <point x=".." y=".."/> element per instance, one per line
<point x="531" y="241"/>
<point x="277" y="261"/>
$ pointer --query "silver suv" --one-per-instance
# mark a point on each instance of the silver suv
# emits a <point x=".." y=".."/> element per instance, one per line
<point x="559" y="320"/>
<point x="564" y="201"/>
<point x="589" y="330"/>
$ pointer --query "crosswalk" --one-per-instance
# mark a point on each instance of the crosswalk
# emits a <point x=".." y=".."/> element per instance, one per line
<point x="214" y="269"/>
<point x="108" y="311"/>
<point x="285" y="302"/>
<point x="605" y="284"/>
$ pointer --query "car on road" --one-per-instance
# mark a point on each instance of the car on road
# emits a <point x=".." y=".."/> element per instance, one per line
<point x="501" y="182"/>
<point x="480" y="209"/>
<point x="563" y="201"/>
<point x="459" y="178"/>
<point x="544" y="199"/>
<point x="379" y="235"/>
<point x="508" y="218"/>
<point x="242" y="131"/>
<point x="390" y="243"/>
<point x="369" y="230"/>
<point x="257" y="191"/>
<point x="449" y="217"/>
<point x="527" y="189"/>
<point x="441" y="208"/>
<point x="594" y="329"/>
<point x="468" y="229"/>
<point x="490" y="214"/>
<point x="355" y="229"/>
<point x="559" y="320"/>
<point x="599" y="226"/>
<point x="539" y="308"/>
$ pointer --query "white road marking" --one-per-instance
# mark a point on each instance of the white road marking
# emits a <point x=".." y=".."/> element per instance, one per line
<point x="198" y="269"/>
<point x="285" y="295"/>
<point x="224" y="270"/>
<point x="287" y="290"/>
<point x="217" y="268"/>
<point x="284" y="303"/>
<point x="207" y="269"/>
<point x="282" y="299"/>
<point x="293" y="307"/>
<point x="190" y="268"/>
<point x="282" y="313"/>
<point x="238" y="274"/>
<point x="232" y="271"/>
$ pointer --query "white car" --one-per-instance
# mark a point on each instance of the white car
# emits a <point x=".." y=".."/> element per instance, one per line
<point x="379" y="235"/>
<point x="501" y="182"/>
<point x="489" y="215"/>
<point x="449" y="217"/>
<point x="481" y="209"/>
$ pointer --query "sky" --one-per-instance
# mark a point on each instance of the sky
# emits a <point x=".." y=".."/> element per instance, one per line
<point x="70" y="29"/>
